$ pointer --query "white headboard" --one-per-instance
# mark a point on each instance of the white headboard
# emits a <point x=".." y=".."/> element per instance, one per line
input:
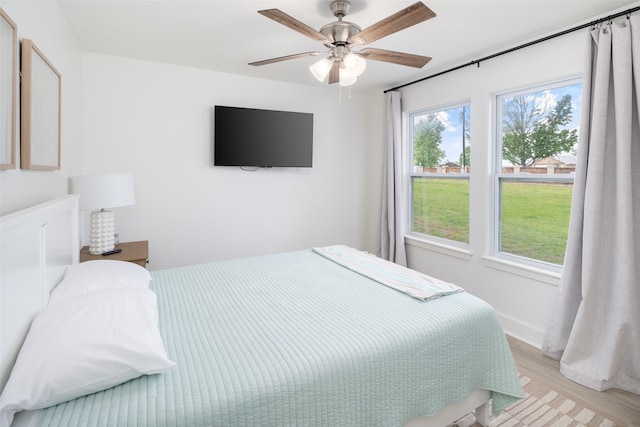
<point x="36" y="246"/>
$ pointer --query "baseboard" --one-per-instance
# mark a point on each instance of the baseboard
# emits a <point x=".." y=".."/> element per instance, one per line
<point x="522" y="331"/>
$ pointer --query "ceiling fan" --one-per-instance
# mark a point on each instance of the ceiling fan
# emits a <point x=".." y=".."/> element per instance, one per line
<point x="343" y="64"/>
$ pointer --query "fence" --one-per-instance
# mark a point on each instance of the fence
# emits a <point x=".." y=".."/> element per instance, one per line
<point x="548" y="170"/>
<point x="540" y="170"/>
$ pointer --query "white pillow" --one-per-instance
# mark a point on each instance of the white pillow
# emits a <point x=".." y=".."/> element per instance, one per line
<point x="82" y="345"/>
<point x="100" y="275"/>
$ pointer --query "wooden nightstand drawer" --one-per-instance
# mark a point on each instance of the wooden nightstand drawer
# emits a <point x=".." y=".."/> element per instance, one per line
<point x="136" y="252"/>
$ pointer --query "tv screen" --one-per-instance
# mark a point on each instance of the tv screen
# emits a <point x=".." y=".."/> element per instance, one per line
<point x="262" y="138"/>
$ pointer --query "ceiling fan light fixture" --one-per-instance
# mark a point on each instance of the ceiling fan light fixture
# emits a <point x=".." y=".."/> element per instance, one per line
<point x="320" y="69"/>
<point x="355" y="64"/>
<point x="346" y="77"/>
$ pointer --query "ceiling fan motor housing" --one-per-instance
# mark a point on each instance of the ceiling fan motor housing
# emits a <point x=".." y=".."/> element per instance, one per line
<point x="339" y="32"/>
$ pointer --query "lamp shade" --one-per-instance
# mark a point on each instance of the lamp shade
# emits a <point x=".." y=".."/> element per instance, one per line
<point x="104" y="191"/>
<point x="346" y="78"/>
<point x="355" y="64"/>
<point x="320" y="69"/>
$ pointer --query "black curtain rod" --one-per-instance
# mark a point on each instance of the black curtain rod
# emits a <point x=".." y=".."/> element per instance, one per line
<point x="552" y="36"/>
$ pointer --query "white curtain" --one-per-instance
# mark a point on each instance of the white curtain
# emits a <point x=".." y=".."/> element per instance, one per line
<point x="595" y="328"/>
<point x="392" y="217"/>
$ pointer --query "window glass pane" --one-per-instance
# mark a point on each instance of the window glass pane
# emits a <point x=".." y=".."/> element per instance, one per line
<point x="535" y="219"/>
<point x="441" y="141"/>
<point x="538" y="142"/>
<point x="441" y="207"/>
<point x="441" y="148"/>
<point x="540" y="129"/>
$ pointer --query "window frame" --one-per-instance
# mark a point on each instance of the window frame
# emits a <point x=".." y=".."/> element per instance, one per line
<point x="453" y="247"/>
<point x="498" y="177"/>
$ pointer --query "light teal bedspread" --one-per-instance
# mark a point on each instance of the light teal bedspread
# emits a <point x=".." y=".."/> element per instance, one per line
<point x="295" y="339"/>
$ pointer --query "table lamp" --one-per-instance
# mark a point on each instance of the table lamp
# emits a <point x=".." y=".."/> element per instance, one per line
<point x="98" y="193"/>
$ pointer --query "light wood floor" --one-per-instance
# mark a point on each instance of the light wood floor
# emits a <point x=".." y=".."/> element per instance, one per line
<point x="621" y="407"/>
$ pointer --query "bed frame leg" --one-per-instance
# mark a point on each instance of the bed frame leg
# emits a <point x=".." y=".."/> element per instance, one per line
<point x="482" y="414"/>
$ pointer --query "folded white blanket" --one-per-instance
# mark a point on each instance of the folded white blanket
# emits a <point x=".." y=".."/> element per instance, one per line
<point x="411" y="282"/>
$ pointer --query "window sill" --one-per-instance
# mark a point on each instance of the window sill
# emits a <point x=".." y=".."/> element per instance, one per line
<point x="523" y="270"/>
<point x="443" y="248"/>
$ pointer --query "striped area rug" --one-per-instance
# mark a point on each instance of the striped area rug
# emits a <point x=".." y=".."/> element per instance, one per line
<point x="541" y="407"/>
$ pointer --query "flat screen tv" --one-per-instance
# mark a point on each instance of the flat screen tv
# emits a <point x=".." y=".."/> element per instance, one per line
<point x="262" y="138"/>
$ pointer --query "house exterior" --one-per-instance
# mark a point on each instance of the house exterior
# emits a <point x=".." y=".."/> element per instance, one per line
<point x="562" y="163"/>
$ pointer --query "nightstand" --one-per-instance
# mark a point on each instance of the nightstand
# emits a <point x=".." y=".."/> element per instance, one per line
<point x="136" y="252"/>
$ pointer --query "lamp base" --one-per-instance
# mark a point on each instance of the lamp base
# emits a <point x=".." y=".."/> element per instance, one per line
<point x="102" y="232"/>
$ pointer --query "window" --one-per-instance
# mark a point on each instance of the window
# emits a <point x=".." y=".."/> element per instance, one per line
<point x="440" y="156"/>
<point x="537" y="150"/>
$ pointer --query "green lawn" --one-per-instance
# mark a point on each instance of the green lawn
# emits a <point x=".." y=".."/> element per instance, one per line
<point x="441" y="208"/>
<point x="535" y="216"/>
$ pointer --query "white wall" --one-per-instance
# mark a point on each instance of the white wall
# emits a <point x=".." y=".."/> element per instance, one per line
<point x="43" y="23"/>
<point x="155" y="121"/>
<point x="374" y="151"/>
<point x="524" y="299"/>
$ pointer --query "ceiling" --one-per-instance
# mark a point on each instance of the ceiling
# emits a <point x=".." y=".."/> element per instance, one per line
<point x="225" y="35"/>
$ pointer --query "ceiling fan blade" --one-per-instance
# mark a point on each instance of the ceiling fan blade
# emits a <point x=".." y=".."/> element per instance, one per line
<point x="405" y="18"/>
<point x="400" y="58"/>
<point x="286" y="58"/>
<point x="334" y="74"/>
<point x="288" y="21"/>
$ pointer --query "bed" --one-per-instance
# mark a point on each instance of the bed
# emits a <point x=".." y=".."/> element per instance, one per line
<point x="292" y="339"/>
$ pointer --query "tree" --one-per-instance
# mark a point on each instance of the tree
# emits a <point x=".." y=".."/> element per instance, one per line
<point x="466" y="161"/>
<point x="426" y="142"/>
<point x="532" y="128"/>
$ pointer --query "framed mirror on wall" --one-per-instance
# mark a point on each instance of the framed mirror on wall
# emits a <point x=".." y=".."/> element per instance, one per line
<point x="40" y="111"/>
<point x="8" y="90"/>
